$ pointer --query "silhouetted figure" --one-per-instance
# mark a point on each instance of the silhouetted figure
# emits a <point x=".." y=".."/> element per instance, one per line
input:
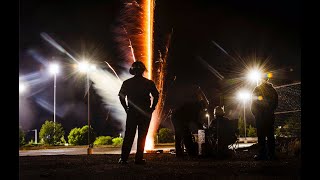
<point x="139" y="110"/>
<point x="264" y="104"/>
<point x="224" y="132"/>
<point x="185" y="119"/>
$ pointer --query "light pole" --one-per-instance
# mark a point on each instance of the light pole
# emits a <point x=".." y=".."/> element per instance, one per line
<point x="208" y="116"/>
<point x="54" y="69"/>
<point x="85" y="67"/>
<point x="244" y="96"/>
<point x="35" y="136"/>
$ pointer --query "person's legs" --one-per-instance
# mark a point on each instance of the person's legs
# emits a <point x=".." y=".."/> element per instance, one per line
<point x="142" y="135"/>
<point x="128" y="137"/>
<point x="178" y="142"/>
<point x="271" y="142"/>
<point x="188" y="142"/>
<point x="261" y="142"/>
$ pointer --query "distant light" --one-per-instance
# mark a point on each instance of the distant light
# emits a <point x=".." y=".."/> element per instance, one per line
<point x="244" y="95"/>
<point x="260" y="98"/>
<point x="254" y="75"/>
<point x="54" y="68"/>
<point x="207" y="115"/>
<point x="22" y="88"/>
<point x="269" y="75"/>
<point x="85" y="67"/>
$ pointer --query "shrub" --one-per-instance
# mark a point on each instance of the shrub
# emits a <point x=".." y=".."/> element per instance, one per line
<point x="103" y="140"/>
<point x="117" y="141"/>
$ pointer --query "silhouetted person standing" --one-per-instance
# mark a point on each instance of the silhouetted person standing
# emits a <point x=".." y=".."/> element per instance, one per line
<point x="139" y="110"/>
<point x="264" y="104"/>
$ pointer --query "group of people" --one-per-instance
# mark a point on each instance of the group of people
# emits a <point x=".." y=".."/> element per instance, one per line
<point x="135" y="96"/>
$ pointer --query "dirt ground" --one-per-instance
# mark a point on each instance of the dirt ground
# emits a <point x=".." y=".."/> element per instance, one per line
<point x="159" y="166"/>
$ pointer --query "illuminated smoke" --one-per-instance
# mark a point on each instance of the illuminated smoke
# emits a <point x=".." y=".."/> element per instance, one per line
<point x="107" y="85"/>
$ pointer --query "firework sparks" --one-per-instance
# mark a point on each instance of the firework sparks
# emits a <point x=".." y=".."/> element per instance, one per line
<point x="113" y="71"/>
<point x="130" y="45"/>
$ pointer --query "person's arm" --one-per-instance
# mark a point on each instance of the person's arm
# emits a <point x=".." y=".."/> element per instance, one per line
<point x="122" y="97"/>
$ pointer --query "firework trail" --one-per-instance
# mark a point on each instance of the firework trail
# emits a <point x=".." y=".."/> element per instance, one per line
<point x="216" y="44"/>
<point x="130" y="45"/>
<point x="46" y="37"/>
<point x="113" y="71"/>
<point x="211" y="69"/>
<point x="159" y="80"/>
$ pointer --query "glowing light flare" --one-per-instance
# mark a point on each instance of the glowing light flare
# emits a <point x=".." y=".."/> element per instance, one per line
<point x="22" y="88"/>
<point x="269" y="75"/>
<point x="244" y="95"/>
<point x="85" y="67"/>
<point x="260" y="98"/>
<point x="54" y="68"/>
<point x="254" y="75"/>
<point x="149" y="143"/>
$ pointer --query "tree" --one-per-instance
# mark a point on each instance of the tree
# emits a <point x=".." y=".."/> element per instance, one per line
<point x="79" y="136"/>
<point x="51" y="133"/>
<point x="241" y="126"/>
<point x="103" y="140"/>
<point x="252" y="131"/>
<point x="166" y="135"/>
<point x="21" y="137"/>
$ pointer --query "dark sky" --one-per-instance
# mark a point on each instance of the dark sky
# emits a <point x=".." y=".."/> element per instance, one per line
<point x="245" y="29"/>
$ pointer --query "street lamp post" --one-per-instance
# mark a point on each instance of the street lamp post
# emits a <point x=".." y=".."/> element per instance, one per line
<point x="54" y="69"/>
<point x="244" y="96"/>
<point x="88" y="85"/>
<point x="35" y="136"/>
<point x="208" y="116"/>
<point x="85" y="67"/>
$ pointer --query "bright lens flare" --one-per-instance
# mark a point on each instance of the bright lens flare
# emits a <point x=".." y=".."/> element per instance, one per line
<point x="54" y="68"/>
<point x="254" y="75"/>
<point x="22" y="88"/>
<point x="244" y="95"/>
<point x="85" y="67"/>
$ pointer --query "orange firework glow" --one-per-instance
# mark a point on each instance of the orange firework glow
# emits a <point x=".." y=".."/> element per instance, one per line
<point x="147" y="6"/>
<point x="148" y="29"/>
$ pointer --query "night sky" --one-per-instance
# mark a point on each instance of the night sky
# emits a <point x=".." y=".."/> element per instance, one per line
<point x="246" y="30"/>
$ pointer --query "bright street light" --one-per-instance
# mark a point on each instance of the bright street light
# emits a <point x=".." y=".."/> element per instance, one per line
<point x="85" y="67"/>
<point x="22" y="88"/>
<point x="244" y="96"/>
<point x="254" y="76"/>
<point x="54" y="69"/>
